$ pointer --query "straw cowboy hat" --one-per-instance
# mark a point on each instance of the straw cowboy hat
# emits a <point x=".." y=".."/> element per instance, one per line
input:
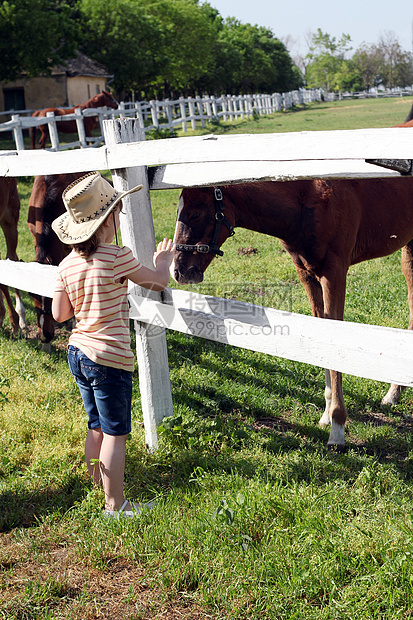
<point x="88" y="202"/>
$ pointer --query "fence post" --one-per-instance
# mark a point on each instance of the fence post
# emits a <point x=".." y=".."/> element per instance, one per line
<point x="200" y="106"/>
<point x="182" y="108"/>
<point x="208" y="107"/>
<point x="192" y="114"/>
<point x="80" y="127"/>
<point x="224" y="107"/>
<point x="154" y="112"/>
<point x="214" y="106"/>
<point x="138" y="234"/>
<point x="18" y="132"/>
<point x="169" y="113"/>
<point x="122" y="109"/>
<point x="242" y="106"/>
<point x="139" y="114"/>
<point x="53" y="133"/>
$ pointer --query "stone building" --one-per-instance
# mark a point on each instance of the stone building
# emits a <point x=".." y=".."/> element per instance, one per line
<point x="68" y="85"/>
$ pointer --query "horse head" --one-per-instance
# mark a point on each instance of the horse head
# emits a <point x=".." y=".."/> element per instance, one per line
<point x="106" y="99"/>
<point x="201" y="229"/>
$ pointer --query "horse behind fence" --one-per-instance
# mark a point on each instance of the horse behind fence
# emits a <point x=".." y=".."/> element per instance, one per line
<point x="98" y="101"/>
<point x="9" y="218"/>
<point x="325" y="226"/>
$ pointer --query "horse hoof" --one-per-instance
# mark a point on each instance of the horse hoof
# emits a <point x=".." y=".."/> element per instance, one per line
<point x="335" y="447"/>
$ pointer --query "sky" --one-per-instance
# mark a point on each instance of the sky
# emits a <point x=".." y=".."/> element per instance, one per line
<point x="364" y="20"/>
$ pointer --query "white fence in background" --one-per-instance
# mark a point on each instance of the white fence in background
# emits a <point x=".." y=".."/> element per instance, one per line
<point x="155" y="116"/>
<point x="379" y="353"/>
<point x="160" y="115"/>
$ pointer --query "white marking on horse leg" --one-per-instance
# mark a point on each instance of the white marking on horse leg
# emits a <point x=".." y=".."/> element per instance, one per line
<point x="325" y="418"/>
<point x="336" y="434"/>
<point x="21" y="311"/>
<point x="393" y="395"/>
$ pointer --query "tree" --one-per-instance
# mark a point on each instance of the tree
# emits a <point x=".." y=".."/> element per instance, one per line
<point x="125" y="39"/>
<point x="326" y="58"/>
<point x="403" y="70"/>
<point x="188" y="36"/>
<point x="251" y="59"/>
<point x="35" y="35"/>
<point x="368" y="64"/>
<point x="397" y="64"/>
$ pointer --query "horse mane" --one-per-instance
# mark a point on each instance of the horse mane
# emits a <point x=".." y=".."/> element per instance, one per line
<point x="51" y="207"/>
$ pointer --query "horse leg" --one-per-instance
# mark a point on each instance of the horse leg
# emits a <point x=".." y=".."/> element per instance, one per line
<point x="2" y="308"/>
<point x="395" y="391"/>
<point x="43" y="136"/>
<point x="33" y="137"/>
<point x="315" y="296"/>
<point x="9" y="224"/>
<point x="13" y="316"/>
<point x="334" y="292"/>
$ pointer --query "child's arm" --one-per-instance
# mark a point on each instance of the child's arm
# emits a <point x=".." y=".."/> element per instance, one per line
<point x="62" y="309"/>
<point x="156" y="279"/>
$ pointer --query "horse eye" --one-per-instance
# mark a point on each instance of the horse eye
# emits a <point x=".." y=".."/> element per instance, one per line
<point x="195" y="216"/>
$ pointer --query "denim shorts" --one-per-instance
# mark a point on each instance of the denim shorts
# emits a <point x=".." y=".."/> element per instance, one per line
<point x="106" y="393"/>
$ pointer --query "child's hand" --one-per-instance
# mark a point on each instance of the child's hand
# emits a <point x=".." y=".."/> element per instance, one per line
<point x="164" y="253"/>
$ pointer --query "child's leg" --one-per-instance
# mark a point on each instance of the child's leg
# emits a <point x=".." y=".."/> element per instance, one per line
<point x="112" y="469"/>
<point x="93" y="445"/>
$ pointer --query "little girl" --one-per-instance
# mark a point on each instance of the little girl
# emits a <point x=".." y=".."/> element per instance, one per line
<point x="92" y="285"/>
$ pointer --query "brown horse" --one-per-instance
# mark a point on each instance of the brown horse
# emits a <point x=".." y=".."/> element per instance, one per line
<point x="45" y="205"/>
<point x="9" y="217"/>
<point x="98" y="101"/>
<point x="325" y="226"/>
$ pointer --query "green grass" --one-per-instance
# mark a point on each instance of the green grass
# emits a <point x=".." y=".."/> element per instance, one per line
<point x="254" y="517"/>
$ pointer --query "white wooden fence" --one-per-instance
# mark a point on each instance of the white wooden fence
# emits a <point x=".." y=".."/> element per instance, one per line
<point x="155" y="115"/>
<point x="380" y="353"/>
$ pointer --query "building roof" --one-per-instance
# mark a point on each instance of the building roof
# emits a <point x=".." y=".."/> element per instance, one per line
<point x="82" y="65"/>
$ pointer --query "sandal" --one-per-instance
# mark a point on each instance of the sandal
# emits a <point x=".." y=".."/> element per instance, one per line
<point x="136" y="510"/>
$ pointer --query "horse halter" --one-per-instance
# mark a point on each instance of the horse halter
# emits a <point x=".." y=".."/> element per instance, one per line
<point x="220" y="219"/>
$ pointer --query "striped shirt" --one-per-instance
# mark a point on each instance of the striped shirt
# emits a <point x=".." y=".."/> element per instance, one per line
<point x="97" y="287"/>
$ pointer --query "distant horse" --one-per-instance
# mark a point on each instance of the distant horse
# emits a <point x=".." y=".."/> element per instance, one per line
<point x="325" y="226"/>
<point x="103" y="99"/>
<point x="45" y="205"/>
<point x="9" y="218"/>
